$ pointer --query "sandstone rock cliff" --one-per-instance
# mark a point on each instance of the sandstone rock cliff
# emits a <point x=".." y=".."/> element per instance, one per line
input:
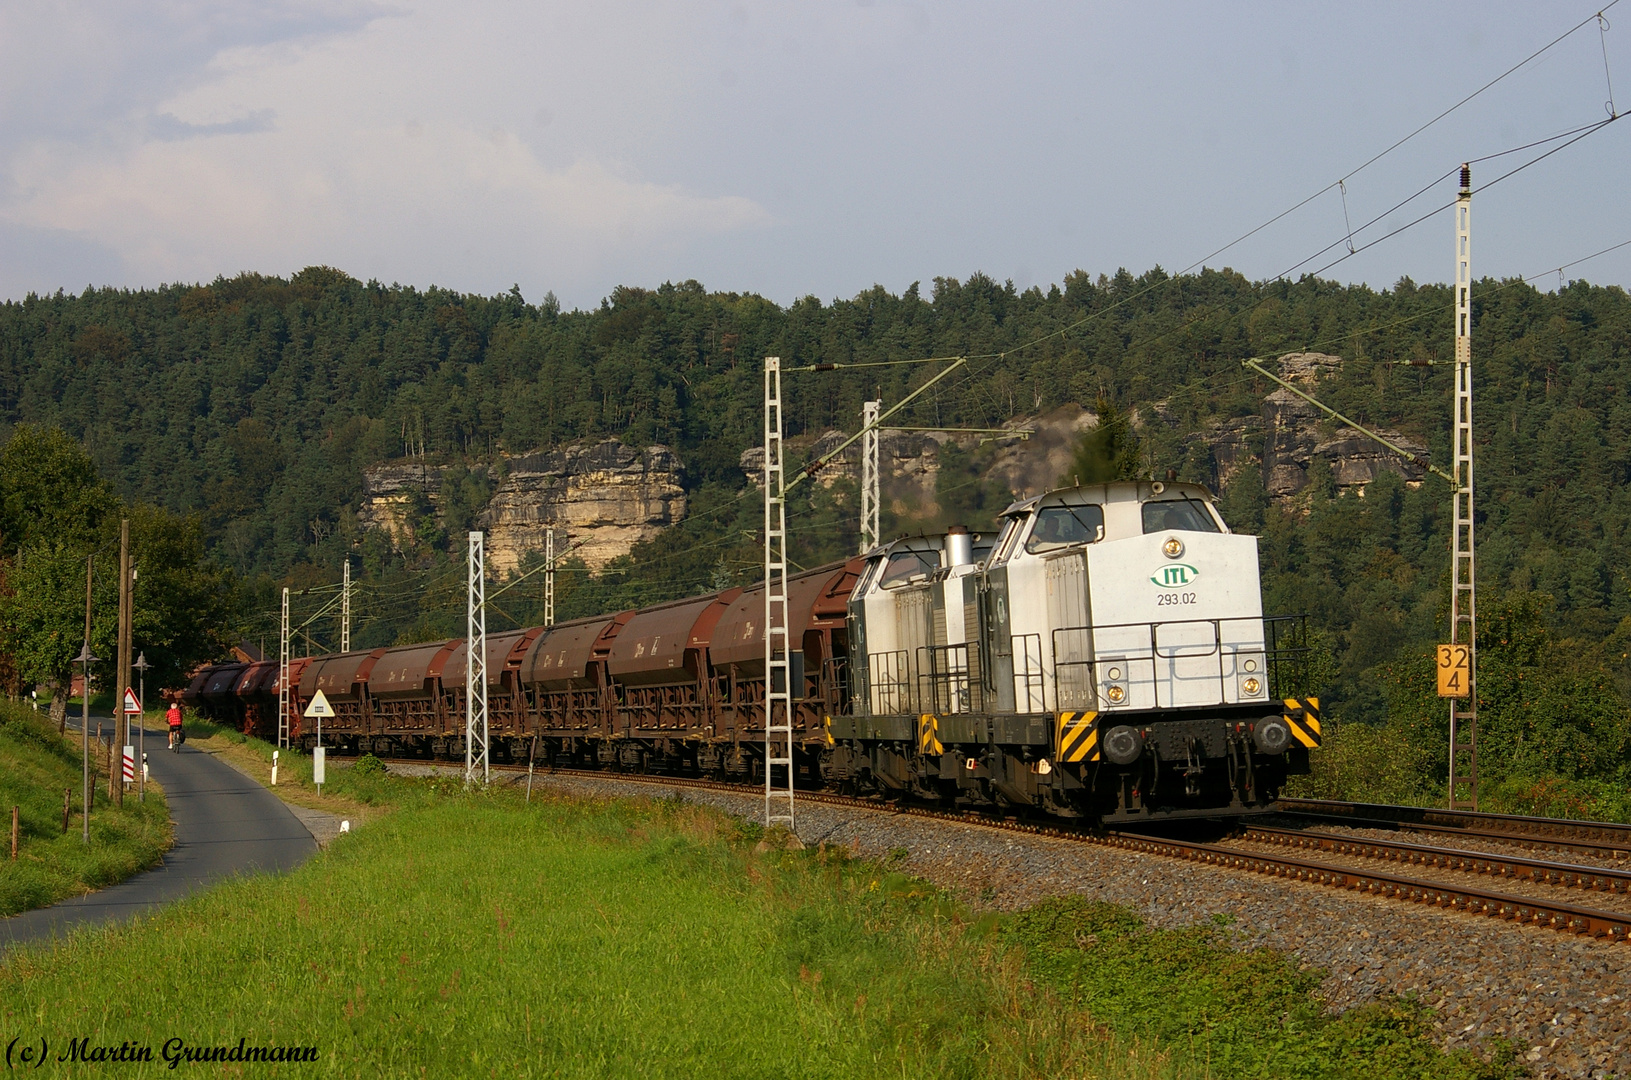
<point x="395" y="496"/>
<point x="1296" y="434"/>
<point x="601" y="499"/>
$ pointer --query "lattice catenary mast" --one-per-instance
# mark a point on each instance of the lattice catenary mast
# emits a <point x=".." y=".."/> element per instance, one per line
<point x="1463" y="594"/>
<point x="778" y="669"/>
<point x="549" y="577"/>
<point x="283" y="676"/>
<point x="345" y="606"/>
<point x="475" y="669"/>
<point x="870" y="489"/>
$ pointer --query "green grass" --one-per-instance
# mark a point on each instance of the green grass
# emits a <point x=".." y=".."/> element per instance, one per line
<point x="36" y="764"/>
<point x="1231" y="1012"/>
<point x="472" y="934"/>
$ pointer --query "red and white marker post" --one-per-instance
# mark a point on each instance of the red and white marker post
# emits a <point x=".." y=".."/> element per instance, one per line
<point x="133" y="707"/>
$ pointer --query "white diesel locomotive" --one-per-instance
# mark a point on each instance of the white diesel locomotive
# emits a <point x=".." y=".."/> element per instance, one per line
<point x="1105" y="656"/>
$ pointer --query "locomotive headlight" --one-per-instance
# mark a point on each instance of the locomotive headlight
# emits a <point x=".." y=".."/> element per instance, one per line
<point x="1173" y="548"/>
<point x="1116" y="695"/>
<point x="1251" y="686"/>
<point x="1250" y="665"/>
<point x="1114" y="674"/>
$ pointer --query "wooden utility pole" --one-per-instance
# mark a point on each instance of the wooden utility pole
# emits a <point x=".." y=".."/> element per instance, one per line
<point x="121" y="667"/>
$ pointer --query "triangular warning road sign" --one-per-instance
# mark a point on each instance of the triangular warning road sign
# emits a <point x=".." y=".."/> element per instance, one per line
<point x="131" y="704"/>
<point x="320" y="707"/>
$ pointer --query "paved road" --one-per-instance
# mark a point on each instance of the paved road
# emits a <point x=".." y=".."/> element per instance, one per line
<point x="225" y="823"/>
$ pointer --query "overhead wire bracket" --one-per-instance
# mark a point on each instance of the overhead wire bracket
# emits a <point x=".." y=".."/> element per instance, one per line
<point x="1415" y="459"/>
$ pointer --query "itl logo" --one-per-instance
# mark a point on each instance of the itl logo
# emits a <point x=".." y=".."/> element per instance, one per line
<point x="1175" y="575"/>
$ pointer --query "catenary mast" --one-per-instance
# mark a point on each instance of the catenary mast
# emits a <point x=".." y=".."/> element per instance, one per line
<point x="1463" y="595"/>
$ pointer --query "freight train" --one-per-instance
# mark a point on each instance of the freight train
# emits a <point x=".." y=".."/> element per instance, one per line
<point x="1104" y="656"/>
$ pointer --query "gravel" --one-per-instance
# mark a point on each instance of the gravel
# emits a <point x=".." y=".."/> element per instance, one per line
<point x="1562" y="999"/>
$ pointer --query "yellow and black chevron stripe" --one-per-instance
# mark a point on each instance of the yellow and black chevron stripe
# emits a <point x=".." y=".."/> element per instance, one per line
<point x="1078" y="737"/>
<point x="928" y="735"/>
<point x="826" y="732"/>
<point x="1304" y="716"/>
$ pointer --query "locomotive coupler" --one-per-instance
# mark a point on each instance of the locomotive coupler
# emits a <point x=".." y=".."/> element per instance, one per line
<point x="1194" y="769"/>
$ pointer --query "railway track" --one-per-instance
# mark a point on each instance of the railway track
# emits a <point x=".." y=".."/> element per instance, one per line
<point x="1513" y="868"/>
<point x="1605" y="840"/>
<point x="1387" y="883"/>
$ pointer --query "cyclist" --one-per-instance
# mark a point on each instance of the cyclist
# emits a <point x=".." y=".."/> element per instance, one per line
<point x="173" y="716"/>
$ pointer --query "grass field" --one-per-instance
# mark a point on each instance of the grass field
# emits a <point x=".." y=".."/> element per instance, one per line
<point x="36" y="765"/>
<point x="471" y="934"/>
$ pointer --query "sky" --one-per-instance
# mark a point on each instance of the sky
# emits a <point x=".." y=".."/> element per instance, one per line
<point x="793" y="149"/>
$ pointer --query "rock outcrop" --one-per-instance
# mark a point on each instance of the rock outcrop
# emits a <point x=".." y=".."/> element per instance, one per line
<point x="600" y="498"/>
<point x="908" y="464"/>
<point x="603" y="498"/>
<point x="396" y="496"/>
<point x="1296" y="435"/>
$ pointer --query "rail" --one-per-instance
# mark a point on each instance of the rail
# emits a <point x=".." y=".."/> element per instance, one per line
<point x="1516" y="868"/>
<point x="1609" y="835"/>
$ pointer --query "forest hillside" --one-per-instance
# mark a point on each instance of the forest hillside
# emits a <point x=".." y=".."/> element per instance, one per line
<point x="260" y="404"/>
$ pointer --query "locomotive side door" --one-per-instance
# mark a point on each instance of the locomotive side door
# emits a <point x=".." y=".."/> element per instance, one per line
<point x="999" y="642"/>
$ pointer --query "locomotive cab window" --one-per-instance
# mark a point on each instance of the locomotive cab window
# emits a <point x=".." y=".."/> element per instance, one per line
<point x="867" y="575"/>
<point x="905" y="565"/>
<point x="1005" y="542"/>
<point x="1064" y="526"/>
<point x="1178" y="515"/>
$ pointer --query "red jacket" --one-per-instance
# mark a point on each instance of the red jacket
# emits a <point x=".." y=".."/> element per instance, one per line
<point x="174" y="716"/>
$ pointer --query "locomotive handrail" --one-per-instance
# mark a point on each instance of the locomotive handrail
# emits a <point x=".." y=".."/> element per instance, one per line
<point x="1287" y="663"/>
<point x="1134" y="654"/>
<point x="889" y="682"/>
<point x="950" y="679"/>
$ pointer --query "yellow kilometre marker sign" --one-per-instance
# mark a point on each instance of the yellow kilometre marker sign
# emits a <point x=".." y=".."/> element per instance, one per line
<point x="1454" y="670"/>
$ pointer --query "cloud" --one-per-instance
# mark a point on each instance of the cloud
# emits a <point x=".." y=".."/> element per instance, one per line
<point x="167" y="126"/>
<point x="348" y="146"/>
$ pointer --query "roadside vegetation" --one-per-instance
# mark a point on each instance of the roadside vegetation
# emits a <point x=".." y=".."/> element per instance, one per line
<point x="1554" y="729"/>
<point x="358" y="788"/>
<point x="36" y="765"/>
<point x="473" y="933"/>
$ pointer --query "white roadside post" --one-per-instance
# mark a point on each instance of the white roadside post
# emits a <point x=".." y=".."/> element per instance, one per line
<point x="274" y="767"/>
<point x="317" y="710"/>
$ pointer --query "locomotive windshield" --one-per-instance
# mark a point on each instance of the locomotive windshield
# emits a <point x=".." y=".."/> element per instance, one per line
<point x="1178" y="515"/>
<point x="1062" y="526"/>
<point x="905" y="565"/>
